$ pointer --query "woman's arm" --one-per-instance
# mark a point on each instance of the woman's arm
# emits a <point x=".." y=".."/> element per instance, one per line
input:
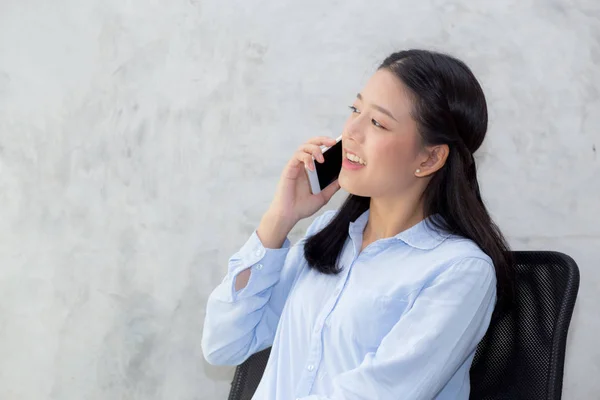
<point x="272" y="233"/>
<point x="242" y="321"/>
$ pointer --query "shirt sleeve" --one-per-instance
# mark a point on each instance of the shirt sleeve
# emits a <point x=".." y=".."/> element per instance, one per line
<point x="239" y="324"/>
<point x="429" y="343"/>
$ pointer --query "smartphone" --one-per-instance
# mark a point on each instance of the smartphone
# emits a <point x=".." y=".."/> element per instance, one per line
<point x="329" y="170"/>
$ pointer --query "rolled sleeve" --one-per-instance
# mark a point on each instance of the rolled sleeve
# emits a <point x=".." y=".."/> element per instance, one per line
<point x="266" y="265"/>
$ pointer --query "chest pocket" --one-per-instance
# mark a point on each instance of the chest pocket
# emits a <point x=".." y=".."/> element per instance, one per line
<point x="366" y="317"/>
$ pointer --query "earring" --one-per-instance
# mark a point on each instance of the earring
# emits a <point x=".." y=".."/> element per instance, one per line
<point x="418" y="171"/>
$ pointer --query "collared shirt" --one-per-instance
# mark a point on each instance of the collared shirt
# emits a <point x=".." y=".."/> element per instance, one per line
<point x="401" y="321"/>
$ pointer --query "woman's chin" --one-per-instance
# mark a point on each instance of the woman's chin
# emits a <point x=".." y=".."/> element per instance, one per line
<point x="352" y="187"/>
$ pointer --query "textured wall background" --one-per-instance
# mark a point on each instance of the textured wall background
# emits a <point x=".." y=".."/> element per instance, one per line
<point x="120" y="205"/>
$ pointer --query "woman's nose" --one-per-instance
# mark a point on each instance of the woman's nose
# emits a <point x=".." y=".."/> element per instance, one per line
<point x="354" y="129"/>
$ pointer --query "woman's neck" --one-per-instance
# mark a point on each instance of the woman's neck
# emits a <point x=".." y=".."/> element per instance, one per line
<point x="388" y="218"/>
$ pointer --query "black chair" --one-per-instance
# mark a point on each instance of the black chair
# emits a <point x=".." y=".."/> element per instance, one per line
<point x="522" y="355"/>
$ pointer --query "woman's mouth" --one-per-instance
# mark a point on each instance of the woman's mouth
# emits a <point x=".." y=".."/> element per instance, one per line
<point x="352" y="162"/>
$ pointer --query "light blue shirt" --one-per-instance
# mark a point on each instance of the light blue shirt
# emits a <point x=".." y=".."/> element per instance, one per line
<point x="401" y="321"/>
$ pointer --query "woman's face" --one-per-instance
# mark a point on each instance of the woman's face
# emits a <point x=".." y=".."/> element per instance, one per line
<point x="381" y="132"/>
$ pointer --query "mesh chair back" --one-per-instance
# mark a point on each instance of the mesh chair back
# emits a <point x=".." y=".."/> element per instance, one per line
<point x="522" y="355"/>
<point x="248" y="375"/>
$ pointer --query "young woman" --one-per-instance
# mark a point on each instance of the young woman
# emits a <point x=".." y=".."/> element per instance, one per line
<point x="388" y="297"/>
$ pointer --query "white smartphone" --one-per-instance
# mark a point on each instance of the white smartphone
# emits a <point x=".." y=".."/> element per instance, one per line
<point x="329" y="170"/>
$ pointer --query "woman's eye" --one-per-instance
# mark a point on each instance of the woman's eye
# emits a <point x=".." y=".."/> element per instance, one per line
<point x="354" y="109"/>
<point x="377" y="124"/>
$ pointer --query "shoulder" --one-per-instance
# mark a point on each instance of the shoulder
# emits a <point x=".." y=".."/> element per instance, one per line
<point x="463" y="256"/>
<point x="321" y="221"/>
<point x="458" y="247"/>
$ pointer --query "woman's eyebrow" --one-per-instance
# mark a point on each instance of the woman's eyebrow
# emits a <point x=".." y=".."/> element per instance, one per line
<point x="375" y="106"/>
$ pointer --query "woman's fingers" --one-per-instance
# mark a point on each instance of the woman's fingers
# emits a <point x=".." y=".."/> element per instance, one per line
<point x="302" y="157"/>
<point x="322" y="141"/>
<point x="313" y="150"/>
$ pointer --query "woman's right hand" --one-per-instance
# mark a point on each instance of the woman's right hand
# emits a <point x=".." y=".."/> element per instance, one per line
<point x="293" y="198"/>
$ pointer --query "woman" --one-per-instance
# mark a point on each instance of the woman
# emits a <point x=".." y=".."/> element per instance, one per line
<point x="388" y="297"/>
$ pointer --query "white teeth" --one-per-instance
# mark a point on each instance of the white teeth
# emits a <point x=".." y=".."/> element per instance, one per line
<point x="355" y="158"/>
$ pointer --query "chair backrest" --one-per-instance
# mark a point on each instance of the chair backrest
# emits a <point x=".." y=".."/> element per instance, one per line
<point x="248" y="375"/>
<point x="522" y="354"/>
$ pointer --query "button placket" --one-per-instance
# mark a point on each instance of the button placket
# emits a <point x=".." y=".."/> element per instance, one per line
<point x="337" y="293"/>
<point x="323" y="321"/>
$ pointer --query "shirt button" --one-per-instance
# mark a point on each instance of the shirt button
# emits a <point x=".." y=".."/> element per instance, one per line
<point x="259" y="252"/>
<point x="310" y="367"/>
<point x="259" y="266"/>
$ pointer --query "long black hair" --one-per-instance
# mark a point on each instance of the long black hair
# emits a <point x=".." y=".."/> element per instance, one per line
<point x="449" y="108"/>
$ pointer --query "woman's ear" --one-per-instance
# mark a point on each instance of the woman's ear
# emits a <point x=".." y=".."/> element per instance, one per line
<point x="435" y="158"/>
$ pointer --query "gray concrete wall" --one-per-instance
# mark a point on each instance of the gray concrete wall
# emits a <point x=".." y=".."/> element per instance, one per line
<point x="119" y="205"/>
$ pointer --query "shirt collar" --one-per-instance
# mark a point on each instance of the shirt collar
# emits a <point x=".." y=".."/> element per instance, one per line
<point x="423" y="236"/>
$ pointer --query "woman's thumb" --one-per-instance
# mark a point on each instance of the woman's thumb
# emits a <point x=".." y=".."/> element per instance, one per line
<point x="330" y="190"/>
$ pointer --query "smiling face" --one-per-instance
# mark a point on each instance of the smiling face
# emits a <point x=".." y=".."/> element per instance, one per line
<point x="382" y="146"/>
